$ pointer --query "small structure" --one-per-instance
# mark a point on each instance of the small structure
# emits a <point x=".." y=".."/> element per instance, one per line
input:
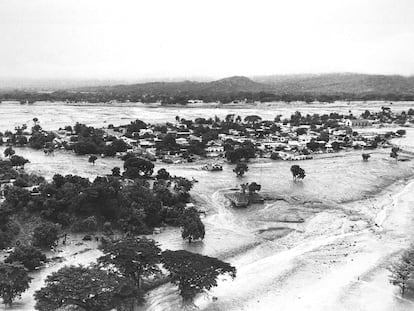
<point x="212" y="167"/>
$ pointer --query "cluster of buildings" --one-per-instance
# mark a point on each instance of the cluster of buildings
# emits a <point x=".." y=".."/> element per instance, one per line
<point x="271" y="139"/>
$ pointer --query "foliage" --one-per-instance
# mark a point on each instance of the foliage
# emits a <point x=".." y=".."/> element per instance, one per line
<point x="240" y="169"/>
<point x="163" y="174"/>
<point x="13" y="281"/>
<point x="297" y="172"/>
<point x="18" y="161"/>
<point x="9" y="151"/>
<point x="30" y="257"/>
<point x="45" y="235"/>
<point x="402" y="270"/>
<point x="138" y="168"/>
<point x="90" y="288"/>
<point x="254" y="187"/>
<point x="194" y="273"/>
<point x="92" y="159"/>
<point x="116" y="171"/>
<point x="191" y="225"/>
<point x="365" y="156"/>
<point x="131" y="257"/>
<point x="246" y="151"/>
<point x="90" y="224"/>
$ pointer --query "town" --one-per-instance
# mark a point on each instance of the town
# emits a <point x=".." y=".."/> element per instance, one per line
<point x="233" y="138"/>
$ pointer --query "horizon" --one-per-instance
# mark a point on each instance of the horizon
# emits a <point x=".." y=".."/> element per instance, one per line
<point x="161" y="40"/>
<point x="56" y="83"/>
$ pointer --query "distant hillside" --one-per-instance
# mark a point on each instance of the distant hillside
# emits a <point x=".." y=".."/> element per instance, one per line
<point x="324" y="87"/>
<point x="326" y="84"/>
<point x="347" y="83"/>
<point x="224" y="86"/>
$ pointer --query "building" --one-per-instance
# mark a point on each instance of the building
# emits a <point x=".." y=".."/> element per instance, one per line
<point x="358" y="123"/>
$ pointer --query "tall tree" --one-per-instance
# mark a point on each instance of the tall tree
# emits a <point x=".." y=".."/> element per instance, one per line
<point x="402" y="271"/>
<point x="132" y="258"/>
<point x="87" y="287"/>
<point x="192" y="226"/>
<point x="138" y="168"/>
<point x="194" y="273"/>
<point x="30" y="257"/>
<point x="13" y="281"/>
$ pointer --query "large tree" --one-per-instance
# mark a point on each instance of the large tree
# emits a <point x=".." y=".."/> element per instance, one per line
<point x="132" y="258"/>
<point x="194" y="273"/>
<point x="138" y="167"/>
<point x="191" y="225"/>
<point x="402" y="271"/>
<point x="13" y="281"/>
<point x="90" y="288"/>
<point x="18" y="161"/>
<point x="30" y="257"/>
<point x="45" y="235"/>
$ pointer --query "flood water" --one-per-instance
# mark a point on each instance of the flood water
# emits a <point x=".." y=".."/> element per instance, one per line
<point x="320" y="244"/>
<point x="55" y="115"/>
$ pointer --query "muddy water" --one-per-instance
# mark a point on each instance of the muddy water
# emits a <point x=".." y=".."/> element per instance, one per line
<point x="55" y="115"/>
<point x="352" y="228"/>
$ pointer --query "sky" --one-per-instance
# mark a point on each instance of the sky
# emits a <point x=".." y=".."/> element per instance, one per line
<point x="159" y="39"/>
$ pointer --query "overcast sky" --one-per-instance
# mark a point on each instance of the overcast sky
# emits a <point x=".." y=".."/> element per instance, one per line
<point x="212" y="38"/>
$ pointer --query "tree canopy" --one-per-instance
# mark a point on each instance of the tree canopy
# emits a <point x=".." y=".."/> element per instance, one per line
<point x="90" y="288"/>
<point x="30" y="257"/>
<point x="192" y="226"/>
<point x="13" y="281"/>
<point x="194" y="273"/>
<point x="131" y="257"/>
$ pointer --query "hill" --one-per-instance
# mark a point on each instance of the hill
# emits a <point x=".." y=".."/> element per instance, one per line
<point x="324" y="87"/>
<point x="337" y="83"/>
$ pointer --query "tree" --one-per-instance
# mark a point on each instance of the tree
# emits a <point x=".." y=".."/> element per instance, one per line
<point x="394" y="152"/>
<point x="89" y="288"/>
<point x="9" y="151"/>
<point x="192" y="228"/>
<point x="401" y="132"/>
<point x="137" y="168"/>
<point x="254" y="187"/>
<point x="252" y="119"/>
<point x="132" y="258"/>
<point x="402" y="271"/>
<point x="13" y="281"/>
<point x="18" y="161"/>
<point x="297" y="172"/>
<point x="163" y="174"/>
<point x="92" y="159"/>
<point x="116" y="171"/>
<point x="194" y="273"/>
<point x="30" y="257"/>
<point x="182" y="185"/>
<point x="45" y="235"/>
<point x="365" y="156"/>
<point x="240" y="169"/>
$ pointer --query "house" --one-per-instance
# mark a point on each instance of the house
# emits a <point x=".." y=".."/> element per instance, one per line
<point x="214" y="150"/>
<point x="358" y="123"/>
